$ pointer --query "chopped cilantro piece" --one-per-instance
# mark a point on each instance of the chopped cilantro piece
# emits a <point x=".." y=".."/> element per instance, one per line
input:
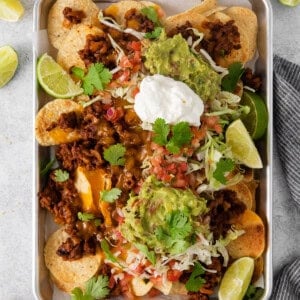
<point x="107" y="252"/>
<point x="223" y="165"/>
<point x="151" y="13"/>
<point x="61" y="175"/>
<point x="161" y="130"/>
<point x="149" y="254"/>
<point x="85" y="217"/>
<point x="254" y="293"/>
<point x="195" y="281"/>
<point x="97" y="77"/>
<point x="182" y="134"/>
<point x="230" y="81"/>
<point x="154" y="34"/>
<point x="115" y="155"/>
<point x="111" y="195"/>
<point x="95" y="288"/>
<point x="46" y="168"/>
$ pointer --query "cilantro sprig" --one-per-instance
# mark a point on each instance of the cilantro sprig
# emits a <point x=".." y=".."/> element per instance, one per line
<point x="230" y="81"/>
<point x="181" y="135"/>
<point x="254" y="293"/>
<point x="110" y="196"/>
<point x="61" y="175"/>
<point x="115" y="155"/>
<point x="151" y="13"/>
<point x="223" y="166"/>
<point x="108" y="254"/>
<point x="87" y="217"/>
<point x="149" y="254"/>
<point x="196" y="281"/>
<point x="95" y="288"/>
<point x="96" y="78"/>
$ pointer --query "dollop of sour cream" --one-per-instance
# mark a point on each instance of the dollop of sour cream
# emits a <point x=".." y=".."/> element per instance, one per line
<point x="164" y="97"/>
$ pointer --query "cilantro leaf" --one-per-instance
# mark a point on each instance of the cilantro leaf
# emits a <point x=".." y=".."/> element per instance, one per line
<point x="61" y="175"/>
<point x="154" y="34"/>
<point x="95" y="288"/>
<point x="97" y="77"/>
<point x="107" y="252"/>
<point x="181" y="134"/>
<point x="151" y="13"/>
<point x="111" y="195"/>
<point x="161" y="130"/>
<point x="223" y="165"/>
<point x="149" y="254"/>
<point x="46" y="168"/>
<point x="254" y="293"/>
<point x="85" y="217"/>
<point x="195" y="281"/>
<point x="179" y="224"/>
<point x="229" y="81"/>
<point x="115" y="155"/>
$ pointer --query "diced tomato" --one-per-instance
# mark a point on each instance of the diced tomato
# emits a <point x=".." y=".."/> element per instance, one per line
<point x="136" y="46"/>
<point x="139" y="269"/>
<point x="111" y="282"/>
<point x="125" y="76"/>
<point x="125" y="62"/>
<point x="114" y="114"/>
<point x="173" y="275"/>
<point x="154" y="292"/>
<point x="156" y="280"/>
<point x="135" y="91"/>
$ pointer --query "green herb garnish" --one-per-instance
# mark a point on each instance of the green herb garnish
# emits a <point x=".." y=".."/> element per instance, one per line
<point x="254" y="293"/>
<point x="149" y="254"/>
<point x="85" y="217"/>
<point x="196" y="280"/>
<point x="107" y="252"/>
<point x="115" y="155"/>
<point x="45" y="169"/>
<point x="230" y="81"/>
<point x="223" y="166"/>
<point x="61" y="175"/>
<point x="111" y="195"/>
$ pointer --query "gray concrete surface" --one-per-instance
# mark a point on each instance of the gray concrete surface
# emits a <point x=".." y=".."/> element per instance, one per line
<point x="16" y="158"/>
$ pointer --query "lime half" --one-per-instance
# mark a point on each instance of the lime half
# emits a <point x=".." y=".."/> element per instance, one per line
<point x="236" y="279"/>
<point x="256" y="121"/>
<point x="11" y="10"/>
<point x="291" y="3"/>
<point x="8" y="64"/>
<point x="55" y="80"/>
<point x="242" y="146"/>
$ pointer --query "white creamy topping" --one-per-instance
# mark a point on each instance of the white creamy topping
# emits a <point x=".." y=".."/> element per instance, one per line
<point x="164" y="97"/>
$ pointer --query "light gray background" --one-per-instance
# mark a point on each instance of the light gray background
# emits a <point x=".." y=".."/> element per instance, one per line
<point x="16" y="134"/>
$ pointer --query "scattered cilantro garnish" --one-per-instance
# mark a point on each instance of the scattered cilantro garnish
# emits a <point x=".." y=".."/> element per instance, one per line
<point x="105" y="247"/>
<point x="149" y="254"/>
<point x="95" y="288"/>
<point x="181" y="135"/>
<point x="176" y="235"/>
<point x="154" y="34"/>
<point x="45" y="168"/>
<point x="151" y="13"/>
<point x="97" y="77"/>
<point x="223" y="165"/>
<point x="230" y="81"/>
<point x="195" y="281"/>
<point x="110" y="195"/>
<point x="254" y="293"/>
<point x="115" y="155"/>
<point x="61" y="175"/>
<point x="85" y="217"/>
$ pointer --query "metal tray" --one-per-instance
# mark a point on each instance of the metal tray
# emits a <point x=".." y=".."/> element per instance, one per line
<point x="42" y="285"/>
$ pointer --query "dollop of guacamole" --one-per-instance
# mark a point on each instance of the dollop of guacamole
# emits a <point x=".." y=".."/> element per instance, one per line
<point x="172" y="57"/>
<point x="163" y="218"/>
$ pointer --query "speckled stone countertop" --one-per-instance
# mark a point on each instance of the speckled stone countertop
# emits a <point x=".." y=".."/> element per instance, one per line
<point x="16" y="150"/>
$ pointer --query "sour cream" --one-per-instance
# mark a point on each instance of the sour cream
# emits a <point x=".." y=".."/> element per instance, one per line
<point x="164" y="97"/>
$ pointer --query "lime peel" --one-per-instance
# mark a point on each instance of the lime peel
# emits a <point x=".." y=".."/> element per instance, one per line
<point x="11" y="10"/>
<point x="291" y="3"/>
<point x="8" y="64"/>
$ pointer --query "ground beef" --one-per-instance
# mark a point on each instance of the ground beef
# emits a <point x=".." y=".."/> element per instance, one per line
<point x="73" y="16"/>
<point x="61" y="199"/>
<point x="137" y="21"/>
<point x="65" y="121"/>
<point x="223" y="38"/>
<point x="223" y="207"/>
<point x="184" y="31"/>
<point x="252" y="80"/>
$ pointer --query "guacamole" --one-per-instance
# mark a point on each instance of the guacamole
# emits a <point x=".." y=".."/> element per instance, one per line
<point x="163" y="218"/>
<point x="172" y="57"/>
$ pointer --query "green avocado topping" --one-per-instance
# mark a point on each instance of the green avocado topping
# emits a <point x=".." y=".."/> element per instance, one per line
<point x="172" y="57"/>
<point x="163" y="218"/>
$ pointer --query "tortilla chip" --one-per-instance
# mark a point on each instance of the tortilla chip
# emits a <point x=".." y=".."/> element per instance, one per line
<point x="244" y="194"/>
<point x="58" y="27"/>
<point x="246" y="21"/>
<point x="50" y="113"/>
<point x="119" y="9"/>
<point x="258" y="269"/>
<point x="252" y="242"/>
<point x="67" y="55"/>
<point x="69" y="274"/>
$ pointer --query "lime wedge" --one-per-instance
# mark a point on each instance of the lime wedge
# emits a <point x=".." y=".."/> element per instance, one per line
<point x="291" y="3"/>
<point x="256" y="121"/>
<point x="11" y="10"/>
<point x="242" y="146"/>
<point x="8" y="64"/>
<point x="55" y="80"/>
<point x="236" y="279"/>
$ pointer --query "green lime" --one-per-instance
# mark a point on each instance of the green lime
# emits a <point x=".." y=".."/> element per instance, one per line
<point x="291" y="3"/>
<point x="55" y="80"/>
<point x="242" y="146"/>
<point x="11" y="10"/>
<point x="236" y="279"/>
<point x="256" y="121"/>
<point x="8" y="64"/>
